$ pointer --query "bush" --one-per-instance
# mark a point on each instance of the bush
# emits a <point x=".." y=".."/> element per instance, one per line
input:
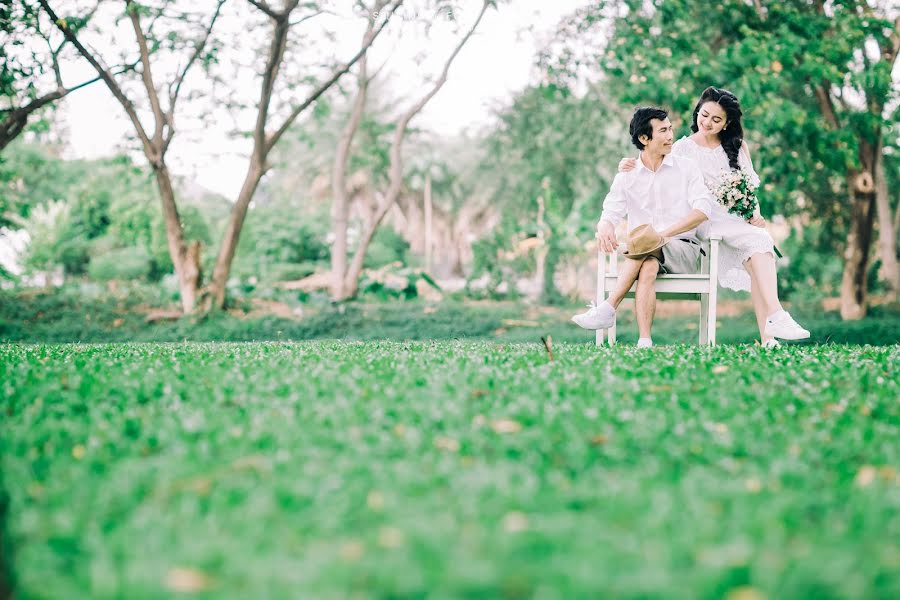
<point x="288" y="271"/>
<point x="121" y="263"/>
<point x="274" y="247"/>
<point x="387" y="246"/>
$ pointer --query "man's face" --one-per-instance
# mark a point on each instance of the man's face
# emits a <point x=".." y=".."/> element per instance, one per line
<point x="663" y="137"/>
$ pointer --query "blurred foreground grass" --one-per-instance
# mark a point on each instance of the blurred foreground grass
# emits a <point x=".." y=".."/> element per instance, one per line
<point x="450" y="470"/>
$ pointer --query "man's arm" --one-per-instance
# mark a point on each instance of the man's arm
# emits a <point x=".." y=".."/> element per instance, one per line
<point x="614" y="210"/>
<point x="691" y="221"/>
<point x="700" y="201"/>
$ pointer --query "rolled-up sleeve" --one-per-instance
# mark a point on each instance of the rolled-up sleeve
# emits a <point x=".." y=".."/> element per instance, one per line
<point x="699" y="196"/>
<point x="614" y="207"/>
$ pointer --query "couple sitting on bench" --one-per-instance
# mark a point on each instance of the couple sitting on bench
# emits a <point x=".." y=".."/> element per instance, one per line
<point x="665" y="198"/>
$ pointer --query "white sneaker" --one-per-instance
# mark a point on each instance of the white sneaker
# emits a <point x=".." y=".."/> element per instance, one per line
<point x="781" y="325"/>
<point x="600" y="316"/>
<point x="770" y="343"/>
<point x="645" y="343"/>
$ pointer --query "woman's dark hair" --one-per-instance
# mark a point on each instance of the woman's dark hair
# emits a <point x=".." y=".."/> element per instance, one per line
<point x="732" y="136"/>
<point x="640" y="123"/>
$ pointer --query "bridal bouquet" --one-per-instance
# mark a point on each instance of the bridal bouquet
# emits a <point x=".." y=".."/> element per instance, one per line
<point x="737" y="194"/>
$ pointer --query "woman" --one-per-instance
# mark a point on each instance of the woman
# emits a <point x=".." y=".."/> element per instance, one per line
<point x="747" y="252"/>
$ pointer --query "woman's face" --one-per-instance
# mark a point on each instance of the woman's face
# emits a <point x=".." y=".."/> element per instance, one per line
<point x="711" y="118"/>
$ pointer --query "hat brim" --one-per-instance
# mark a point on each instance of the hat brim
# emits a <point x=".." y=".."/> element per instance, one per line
<point x="645" y="253"/>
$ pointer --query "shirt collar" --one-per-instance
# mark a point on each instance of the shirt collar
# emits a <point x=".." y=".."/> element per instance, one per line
<point x="667" y="160"/>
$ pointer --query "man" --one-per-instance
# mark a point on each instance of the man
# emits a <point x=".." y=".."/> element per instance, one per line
<point x="664" y="199"/>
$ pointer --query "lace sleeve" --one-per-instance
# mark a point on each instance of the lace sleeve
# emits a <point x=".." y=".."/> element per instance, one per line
<point x="747" y="165"/>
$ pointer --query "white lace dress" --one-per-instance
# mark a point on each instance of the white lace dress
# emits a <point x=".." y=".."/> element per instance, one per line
<point x="740" y="239"/>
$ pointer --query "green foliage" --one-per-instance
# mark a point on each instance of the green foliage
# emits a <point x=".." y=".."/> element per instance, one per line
<point x="195" y="227"/>
<point x="31" y="174"/>
<point x="75" y="211"/>
<point x="121" y="264"/>
<point x="492" y="258"/>
<point x="808" y="271"/>
<point x="387" y="246"/>
<point x="278" y="245"/>
<point x="453" y="469"/>
<point x="88" y="313"/>
<point x="782" y="59"/>
<point x="394" y="282"/>
<point x="56" y="239"/>
<point x="556" y="148"/>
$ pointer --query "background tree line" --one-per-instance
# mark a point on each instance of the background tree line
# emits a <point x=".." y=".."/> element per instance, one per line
<point x="339" y="178"/>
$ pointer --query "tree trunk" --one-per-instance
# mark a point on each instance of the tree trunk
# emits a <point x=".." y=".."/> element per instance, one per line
<point x="351" y="282"/>
<point x="854" y="284"/>
<point x="549" y="293"/>
<point x="887" y="233"/>
<point x="186" y="261"/>
<point x="428" y="224"/>
<point x="232" y="235"/>
<point x="339" y="246"/>
<point x="340" y="200"/>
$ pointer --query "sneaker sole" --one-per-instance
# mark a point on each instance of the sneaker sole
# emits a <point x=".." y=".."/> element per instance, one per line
<point x="589" y="328"/>
<point x="787" y="337"/>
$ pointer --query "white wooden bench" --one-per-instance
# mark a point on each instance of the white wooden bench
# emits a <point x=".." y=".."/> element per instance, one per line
<point x="701" y="286"/>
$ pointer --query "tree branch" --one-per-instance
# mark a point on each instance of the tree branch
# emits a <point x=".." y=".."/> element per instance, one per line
<point x="104" y="74"/>
<point x="890" y="52"/>
<point x="308" y="17"/>
<point x="443" y="77"/>
<point x="826" y="105"/>
<point x="396" y="157"/>
<point x="273" y="139"/>
<point x="276" y="55"/>
<point x="175" y="87"/>
<point x="147" y="73"/>
<point x="198" y="48"/>
<point x="13" y="124"/>
<point x="264" y="6"/>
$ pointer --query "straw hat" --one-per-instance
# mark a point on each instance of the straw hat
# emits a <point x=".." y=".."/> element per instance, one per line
<point x="643" y="240"/>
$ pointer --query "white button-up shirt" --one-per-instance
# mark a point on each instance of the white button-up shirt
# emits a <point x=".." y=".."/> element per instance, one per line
<point x="660" y="198"/>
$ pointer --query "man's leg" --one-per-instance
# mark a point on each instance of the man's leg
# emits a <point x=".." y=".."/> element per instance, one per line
<point x="628" y="273"/>
<point x="645" y="297"/>
<point x="603" y="316"/>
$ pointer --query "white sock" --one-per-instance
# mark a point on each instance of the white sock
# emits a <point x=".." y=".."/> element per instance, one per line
<point x="645" y="342"/>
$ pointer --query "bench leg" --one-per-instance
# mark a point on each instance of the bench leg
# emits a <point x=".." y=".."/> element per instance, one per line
<point x="711" y="320"/>
<point x="611" y="332"/>
<point x="704" y="319"/>
<point x="712" y="297"/>
<point x="601" y="292"/>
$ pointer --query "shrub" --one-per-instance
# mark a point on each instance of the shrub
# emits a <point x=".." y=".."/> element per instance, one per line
<point x="121" y="263"/>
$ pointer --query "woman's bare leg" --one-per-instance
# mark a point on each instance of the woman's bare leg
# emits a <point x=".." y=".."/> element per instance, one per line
<point x="759" y="305"/>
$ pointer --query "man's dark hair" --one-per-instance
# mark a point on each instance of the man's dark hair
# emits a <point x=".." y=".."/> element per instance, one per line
<point x="640" y="123"/>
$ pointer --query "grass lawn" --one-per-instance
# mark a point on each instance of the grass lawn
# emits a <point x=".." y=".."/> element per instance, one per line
<point x="381" y="469"/>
